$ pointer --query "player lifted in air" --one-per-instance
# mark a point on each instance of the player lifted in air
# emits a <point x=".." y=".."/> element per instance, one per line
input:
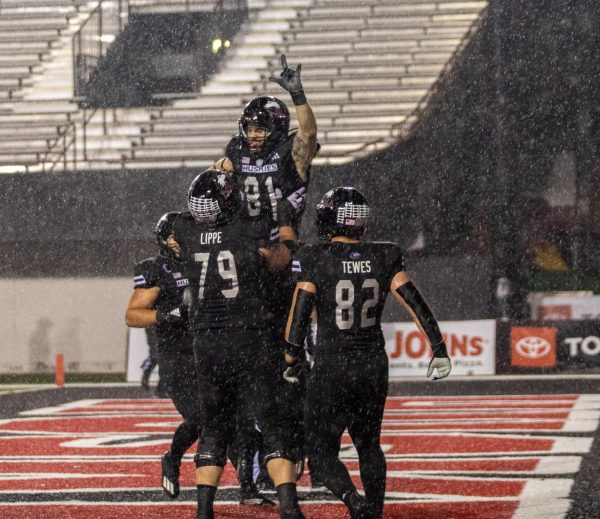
<point x="233" y="342"/>
<point x="158" y="299"/>
<point x="347" y="280"/>
<point x="271" y="163"/>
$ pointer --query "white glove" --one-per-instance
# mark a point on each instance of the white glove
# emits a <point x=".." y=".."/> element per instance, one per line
<point x="442" y="365"/>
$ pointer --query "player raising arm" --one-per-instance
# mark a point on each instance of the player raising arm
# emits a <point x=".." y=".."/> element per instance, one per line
<point x="272" y="164"/>
<point x="347" y="280"/>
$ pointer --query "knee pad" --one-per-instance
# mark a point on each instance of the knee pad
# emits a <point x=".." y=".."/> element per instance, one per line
<point x="211" y="452"/>
<point x="276" y="449"/>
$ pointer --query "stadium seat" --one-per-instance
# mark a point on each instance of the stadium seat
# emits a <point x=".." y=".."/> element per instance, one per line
<point x="364" y="81"/>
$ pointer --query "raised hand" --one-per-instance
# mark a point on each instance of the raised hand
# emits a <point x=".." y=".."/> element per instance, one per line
<point x="290" y="80"/>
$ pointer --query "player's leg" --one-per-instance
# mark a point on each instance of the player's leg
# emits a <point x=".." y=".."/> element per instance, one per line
<point x="365" y="426"/>
<point x="326" y="418"/>
<point x="257" y="393"/>
<point x="178" y="371"/>
<point x="216" y="408"/>
<point x="248" y="440"/>
<point x="324" y="424"/>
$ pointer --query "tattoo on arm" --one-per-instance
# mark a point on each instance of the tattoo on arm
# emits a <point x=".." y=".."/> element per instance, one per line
<point x="303" y="151"/>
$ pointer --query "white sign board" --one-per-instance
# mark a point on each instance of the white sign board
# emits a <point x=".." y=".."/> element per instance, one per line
<point x="137" y="351"/>
<point x="564" y="306"/>
<point x="471" y="346"/>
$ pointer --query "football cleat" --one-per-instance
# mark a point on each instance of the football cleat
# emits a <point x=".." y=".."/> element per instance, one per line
<point x="359" y="507"/>
<point x="170" y="475"/>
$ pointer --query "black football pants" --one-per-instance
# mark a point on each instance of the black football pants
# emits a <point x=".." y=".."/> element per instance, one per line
<point x="237" y="375"/>
<point x="347" y="393"/>
<point x="177" y="372"/>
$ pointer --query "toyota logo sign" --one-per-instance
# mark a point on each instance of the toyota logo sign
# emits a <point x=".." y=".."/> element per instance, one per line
<point x="533" y="347"/>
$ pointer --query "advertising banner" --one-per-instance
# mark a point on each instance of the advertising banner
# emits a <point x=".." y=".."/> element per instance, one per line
<point x="564" y="306"/>
<point x="566" y="345"/>
<point x="137" y="351"/>
<point x="533" y="347"/>
<point x="471" y="345"/>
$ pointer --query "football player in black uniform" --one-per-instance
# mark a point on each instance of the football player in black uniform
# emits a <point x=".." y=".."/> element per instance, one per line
<point x="273" y="166"/>
<point x="233" y="344"/>
<point x="272" y="163"/>
<point x="347" y="281"/>
<point x="158" y="299"/>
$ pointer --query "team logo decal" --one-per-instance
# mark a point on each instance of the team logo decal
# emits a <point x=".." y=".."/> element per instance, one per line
<point x="533" y="347"/>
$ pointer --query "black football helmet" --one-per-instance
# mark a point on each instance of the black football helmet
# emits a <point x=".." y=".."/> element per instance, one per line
<point x="163" y="229"/>
<point x="343" y="211"/>
<point x="267" y="112"/>
<point x="214" y="197"/>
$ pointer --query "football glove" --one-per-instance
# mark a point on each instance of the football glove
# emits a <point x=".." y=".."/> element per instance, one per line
<point x="298" y="199"/>
<point x="442" y="365"/>
<point x="290" y="80"/>
<point x="296" y="374"/>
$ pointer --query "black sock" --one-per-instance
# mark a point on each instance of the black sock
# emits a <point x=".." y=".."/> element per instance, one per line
<point x="372" y="473"/>
<point x="288" y="499"/>
<point x="185" y="436"/>
<point x="206" y="496"/>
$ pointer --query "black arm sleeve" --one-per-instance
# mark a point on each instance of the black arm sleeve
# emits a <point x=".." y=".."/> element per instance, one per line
<point x="300" y="320"/>
<point x="415" y="301"/>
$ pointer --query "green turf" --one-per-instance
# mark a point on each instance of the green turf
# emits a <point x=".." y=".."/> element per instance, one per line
<point x="70" y="378"/>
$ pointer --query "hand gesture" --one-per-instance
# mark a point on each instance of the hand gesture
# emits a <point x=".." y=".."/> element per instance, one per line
<point x="297" y="373"/>
<point x="443" y="366"/>
<point x="298" y="199"/>
<point x="290" y="80"/>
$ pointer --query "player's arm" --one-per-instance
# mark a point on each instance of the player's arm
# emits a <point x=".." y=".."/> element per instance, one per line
<point x="305" y="145"/>
<point x="278" y="256"/>
<point x="408" y="295"/>
<point x="224" y="164"/>
<point x="298" y="321"/>
<point x="140" y="312"/>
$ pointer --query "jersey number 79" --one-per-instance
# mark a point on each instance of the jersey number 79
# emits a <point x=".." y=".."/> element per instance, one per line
<point x="227" y="271"/>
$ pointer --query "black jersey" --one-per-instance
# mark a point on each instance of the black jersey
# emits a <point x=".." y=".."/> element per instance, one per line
<point x="352" y="281"/>
<point x="274" y="190"/>
<point x="228" y="278"/>
<point x="166" y="274"/>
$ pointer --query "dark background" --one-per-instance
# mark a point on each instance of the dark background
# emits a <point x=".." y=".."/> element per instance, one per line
<point x="525" y="89"/>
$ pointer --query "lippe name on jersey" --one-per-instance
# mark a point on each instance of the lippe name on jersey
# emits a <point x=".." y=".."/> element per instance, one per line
<point x="267" y="168"/>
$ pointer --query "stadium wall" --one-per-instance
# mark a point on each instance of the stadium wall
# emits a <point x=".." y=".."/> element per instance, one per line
<point x="70" y="242"/>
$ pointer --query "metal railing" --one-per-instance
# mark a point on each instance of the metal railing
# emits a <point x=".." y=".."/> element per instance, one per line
<point x="93" y="38"/>
<point x="65" y="142"/>
<point x="90" y="44"/>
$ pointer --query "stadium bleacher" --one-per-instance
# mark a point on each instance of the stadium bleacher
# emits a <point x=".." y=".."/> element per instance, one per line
<point x="378" y="61"/>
